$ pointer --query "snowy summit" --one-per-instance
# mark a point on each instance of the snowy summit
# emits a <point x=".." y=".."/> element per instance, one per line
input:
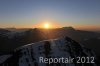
<point x="54" y="52"/>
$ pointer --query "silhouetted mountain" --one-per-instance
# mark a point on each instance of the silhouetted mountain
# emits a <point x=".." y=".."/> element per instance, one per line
<point x="29" y="54"/>
<point x="13" y="39"/>
<point x="68" y="28"/>
<point x="3" y="31"/>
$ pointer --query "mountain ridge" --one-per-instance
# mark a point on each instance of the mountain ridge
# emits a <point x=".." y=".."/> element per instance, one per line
<point x="28" y="55"/>
<point x="21" y="37"/>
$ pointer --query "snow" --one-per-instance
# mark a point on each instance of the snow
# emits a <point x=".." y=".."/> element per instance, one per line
<point x="54" y="48"/>
<point x="4" y="57"/>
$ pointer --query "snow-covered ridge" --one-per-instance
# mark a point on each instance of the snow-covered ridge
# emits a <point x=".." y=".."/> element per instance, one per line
<point x="28" y="55"/>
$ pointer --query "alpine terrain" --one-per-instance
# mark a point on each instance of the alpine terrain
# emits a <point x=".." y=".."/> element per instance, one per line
<point x="45" y="53"/>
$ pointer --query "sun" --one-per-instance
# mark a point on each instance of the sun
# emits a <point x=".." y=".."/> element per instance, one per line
<point x="46" y="25"/>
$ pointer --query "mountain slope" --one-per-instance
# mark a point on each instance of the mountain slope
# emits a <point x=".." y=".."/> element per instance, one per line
<point x="19" y="37"/>
<point x="29" y="55"/>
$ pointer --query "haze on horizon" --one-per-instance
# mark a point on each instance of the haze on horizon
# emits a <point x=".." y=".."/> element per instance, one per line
<point x="81" y="14"/>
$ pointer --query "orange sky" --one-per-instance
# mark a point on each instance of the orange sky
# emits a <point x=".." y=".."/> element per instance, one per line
<point x="52" y="24"/>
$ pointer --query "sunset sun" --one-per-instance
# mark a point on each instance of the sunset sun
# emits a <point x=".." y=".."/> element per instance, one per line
<point x="46" y="25"/>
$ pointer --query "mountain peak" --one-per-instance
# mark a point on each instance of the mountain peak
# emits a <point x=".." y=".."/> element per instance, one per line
<point x="68" y="28"/>
<point x="31" y="54"/>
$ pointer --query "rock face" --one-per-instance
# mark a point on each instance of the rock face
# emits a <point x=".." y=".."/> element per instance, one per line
<point x="50" y="51"/>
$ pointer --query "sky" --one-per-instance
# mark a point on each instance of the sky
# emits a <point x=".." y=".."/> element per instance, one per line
<point x="81" y="14"/>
